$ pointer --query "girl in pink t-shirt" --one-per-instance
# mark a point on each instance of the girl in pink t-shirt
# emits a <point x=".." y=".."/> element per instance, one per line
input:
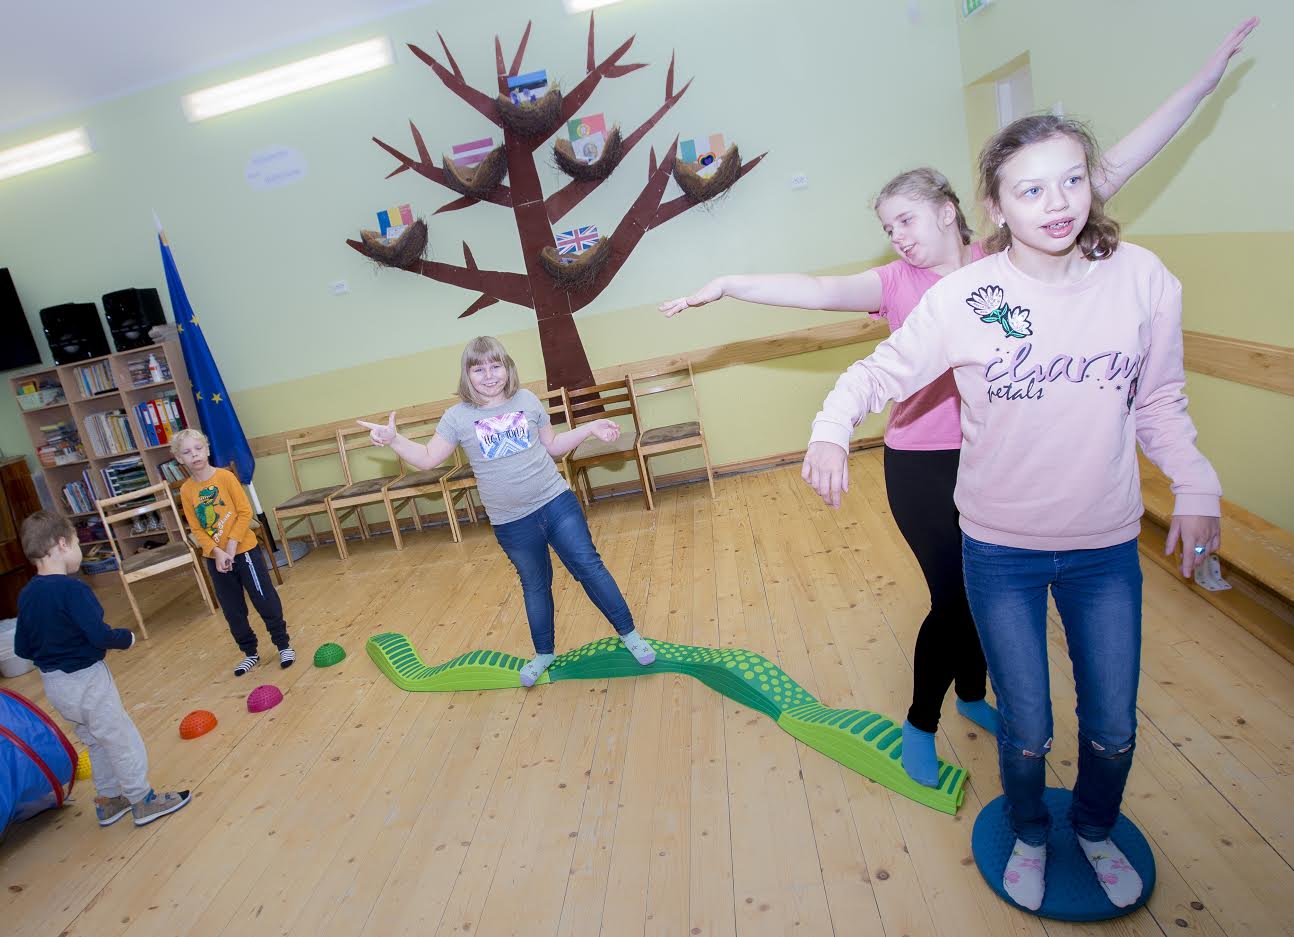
<point x="921" y="215"/>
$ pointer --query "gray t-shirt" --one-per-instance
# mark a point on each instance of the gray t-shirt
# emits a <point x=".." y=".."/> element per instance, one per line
<point x="514" y="472"/>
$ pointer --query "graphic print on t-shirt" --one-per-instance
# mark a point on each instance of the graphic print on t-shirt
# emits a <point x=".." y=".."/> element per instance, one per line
<point x="503" y="435"/>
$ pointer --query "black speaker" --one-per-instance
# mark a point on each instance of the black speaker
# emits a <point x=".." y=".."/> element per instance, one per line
<point x="17" y="347"/>
<point x="130" y="314"/>
<point x="74" y="332"/>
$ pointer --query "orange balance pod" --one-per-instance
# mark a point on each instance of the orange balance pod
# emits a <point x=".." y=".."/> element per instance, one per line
<point x="199" y="722"/>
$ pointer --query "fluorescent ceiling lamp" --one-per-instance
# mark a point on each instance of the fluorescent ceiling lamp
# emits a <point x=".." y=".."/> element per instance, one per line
<point x="582" y="6"/>
<point x="44" y="152"/>
<point x="289" y="79"/>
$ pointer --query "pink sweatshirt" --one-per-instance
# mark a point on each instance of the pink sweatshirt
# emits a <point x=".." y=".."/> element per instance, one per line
<point x="930" y="418"/>
<point x="1058" y="384"/>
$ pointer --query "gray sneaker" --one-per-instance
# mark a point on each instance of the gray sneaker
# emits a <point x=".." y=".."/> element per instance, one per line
<point x="157" y="805"/>
<point x="111" y="809"/>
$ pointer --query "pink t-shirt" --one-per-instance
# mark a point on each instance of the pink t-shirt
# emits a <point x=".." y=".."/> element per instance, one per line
<point x="930" y="418"/>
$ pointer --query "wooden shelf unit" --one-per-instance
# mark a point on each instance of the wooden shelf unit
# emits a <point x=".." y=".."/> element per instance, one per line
<point x="80" y="406"/>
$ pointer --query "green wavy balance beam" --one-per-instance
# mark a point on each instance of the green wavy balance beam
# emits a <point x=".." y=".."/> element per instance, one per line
<point x="862" y="741"/>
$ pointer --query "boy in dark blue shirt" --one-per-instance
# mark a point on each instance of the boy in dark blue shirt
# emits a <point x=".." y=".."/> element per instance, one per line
<point x="61" y="629"/>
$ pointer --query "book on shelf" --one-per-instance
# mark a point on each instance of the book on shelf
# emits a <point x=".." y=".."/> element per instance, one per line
<point x="79" y="497"/>
<point x="172" y="471"/>
<point x="124" y="476"/>
<point x="160" y="418"/>
<point x="95" y="378"/>
<point x="62" y="444"/>
<point x="110" y="433"/>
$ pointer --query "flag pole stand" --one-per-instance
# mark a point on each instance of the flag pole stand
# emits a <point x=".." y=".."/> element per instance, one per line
<point x="280" y="558"/>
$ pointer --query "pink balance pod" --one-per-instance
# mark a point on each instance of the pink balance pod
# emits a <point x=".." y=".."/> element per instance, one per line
<point x="199" y="722"/>
<point x="264" y="697"/>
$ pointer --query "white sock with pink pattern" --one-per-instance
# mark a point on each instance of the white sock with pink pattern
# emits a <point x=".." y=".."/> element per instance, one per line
<point x="1025" y="875"/>
<point x="1120" y="880"/>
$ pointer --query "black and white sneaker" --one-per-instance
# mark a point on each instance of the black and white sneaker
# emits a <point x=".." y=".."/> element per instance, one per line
<point x="247" y="664"/>
<point x="287" y="657"/>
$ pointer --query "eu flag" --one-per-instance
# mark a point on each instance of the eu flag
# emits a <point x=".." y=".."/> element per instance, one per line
<point x="229" y="446"/>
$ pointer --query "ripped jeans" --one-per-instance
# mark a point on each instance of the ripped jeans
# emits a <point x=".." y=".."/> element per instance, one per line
<point x="1098" y="595"/>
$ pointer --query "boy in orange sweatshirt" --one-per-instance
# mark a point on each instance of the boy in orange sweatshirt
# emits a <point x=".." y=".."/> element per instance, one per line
<point x="220" y="515"/>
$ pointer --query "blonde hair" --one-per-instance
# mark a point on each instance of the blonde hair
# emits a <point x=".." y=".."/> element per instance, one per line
<point x="184" y="435"/>
<point x="1100" y="235"/>
<point x="41" y="532"/>
<point x="482" y="350"/>
<point x="928" y="185"/>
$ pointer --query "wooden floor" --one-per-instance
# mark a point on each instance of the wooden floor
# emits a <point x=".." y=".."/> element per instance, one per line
<point x="639" y="806"/>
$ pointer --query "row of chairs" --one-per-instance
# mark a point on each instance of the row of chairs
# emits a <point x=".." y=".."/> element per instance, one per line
<point x="453" y="483"/>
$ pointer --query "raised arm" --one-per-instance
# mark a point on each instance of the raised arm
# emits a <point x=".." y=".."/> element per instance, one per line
<point x="1141" y="146"/>
<point x="859" y="292"/>
<point x="421" y="457"/>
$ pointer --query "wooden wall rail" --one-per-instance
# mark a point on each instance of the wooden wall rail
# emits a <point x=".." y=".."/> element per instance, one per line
<point x="1270" y="367"/>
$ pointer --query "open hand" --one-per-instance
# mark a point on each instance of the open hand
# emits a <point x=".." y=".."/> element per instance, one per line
<point x="1216" y="64"/>
<point x="706" y="294"/>
<point x="826" y="469"/>
<point x="605" y="430"/>
<point x="1193" y="531"/>
<point x="378" y="434"/>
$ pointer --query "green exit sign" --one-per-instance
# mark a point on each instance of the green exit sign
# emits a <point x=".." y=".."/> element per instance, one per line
<point x="970" y="7"/>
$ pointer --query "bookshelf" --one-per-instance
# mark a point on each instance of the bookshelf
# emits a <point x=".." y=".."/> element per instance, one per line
<point x="101" y="427"/>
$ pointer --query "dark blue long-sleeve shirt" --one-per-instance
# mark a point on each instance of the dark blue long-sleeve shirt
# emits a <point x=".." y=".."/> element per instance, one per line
<point x="61" y="626"/>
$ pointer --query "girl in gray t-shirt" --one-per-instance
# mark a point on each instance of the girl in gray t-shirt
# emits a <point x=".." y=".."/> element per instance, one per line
<point x="510" y="443"/>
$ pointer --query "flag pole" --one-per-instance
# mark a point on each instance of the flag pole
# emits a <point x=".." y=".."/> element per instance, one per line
<point x="260" y="514"/>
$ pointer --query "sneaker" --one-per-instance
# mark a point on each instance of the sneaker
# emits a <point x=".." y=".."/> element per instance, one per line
<point x="111" y="809"/>
<point x="287" y="657"/>
<point x="246" y="664"/>
<point x="137" y="526"/>
<point x="154" y="523"/>
<point x="156" y="805"/>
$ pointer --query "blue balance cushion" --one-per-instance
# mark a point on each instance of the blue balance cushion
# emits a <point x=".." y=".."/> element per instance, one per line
<point x="1072" y="891"/>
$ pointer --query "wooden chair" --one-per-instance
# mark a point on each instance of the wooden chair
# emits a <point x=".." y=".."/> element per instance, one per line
<point x="254" y="526"/>
<point x="609" y="400"/>
<point x="674" y="437"/>
<point x="459" y="482"/>
<point x="146" y="563"/>
<point x="356" y="495"/>
<point x="306" y="504"/>
<point x="413" y="483"/>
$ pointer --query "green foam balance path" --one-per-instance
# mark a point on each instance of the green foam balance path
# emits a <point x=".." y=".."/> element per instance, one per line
<point x="863" y="741"/>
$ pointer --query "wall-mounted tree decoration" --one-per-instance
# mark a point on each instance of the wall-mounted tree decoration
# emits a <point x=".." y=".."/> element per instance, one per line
<point x="548" y="286"/>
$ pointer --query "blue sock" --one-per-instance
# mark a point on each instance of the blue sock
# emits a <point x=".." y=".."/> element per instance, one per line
<point x="919" y="759"/>
<point x="980" y="713"/>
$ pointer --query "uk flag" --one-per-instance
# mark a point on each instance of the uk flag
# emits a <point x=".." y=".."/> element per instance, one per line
<point x="577" y="240"/>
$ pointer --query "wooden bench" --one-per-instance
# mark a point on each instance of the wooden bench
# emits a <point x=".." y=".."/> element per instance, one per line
<point x="1257" y="560"/>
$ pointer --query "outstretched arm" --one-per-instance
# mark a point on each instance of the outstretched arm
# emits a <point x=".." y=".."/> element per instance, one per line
<point x="1126" y="157"/>
<point x="859" y="292"/>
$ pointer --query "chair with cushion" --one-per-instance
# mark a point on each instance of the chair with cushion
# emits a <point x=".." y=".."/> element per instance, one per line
<point x="673" y="437"/>
<point x="608" y="400"/>
<point x="145" y="563"/>
<point x="309" y="503"/>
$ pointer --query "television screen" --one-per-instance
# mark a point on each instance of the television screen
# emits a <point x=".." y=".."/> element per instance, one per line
<point x="17" y="347"/>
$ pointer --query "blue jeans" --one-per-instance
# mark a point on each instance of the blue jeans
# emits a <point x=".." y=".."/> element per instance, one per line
<point x="560" y="524"/>
<point x="1098" y="595"/>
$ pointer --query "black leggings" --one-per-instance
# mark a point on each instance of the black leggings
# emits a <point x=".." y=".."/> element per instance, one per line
<point x="920" y="486"/>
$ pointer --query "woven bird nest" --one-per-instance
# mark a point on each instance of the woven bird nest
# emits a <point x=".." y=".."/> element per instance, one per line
<point x="532" y="120"/>
<point x="612" y="152"/>
<point x="701" y="189"/>
<point x="480" y="180"/>
<point x="581" y="270"/>
<point x="405" y="250"/>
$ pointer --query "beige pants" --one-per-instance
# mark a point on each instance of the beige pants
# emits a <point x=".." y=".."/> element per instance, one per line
<point x="89" y="700"/>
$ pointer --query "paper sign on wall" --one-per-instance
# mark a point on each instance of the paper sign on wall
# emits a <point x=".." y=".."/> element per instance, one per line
<point x="274" y="167"/>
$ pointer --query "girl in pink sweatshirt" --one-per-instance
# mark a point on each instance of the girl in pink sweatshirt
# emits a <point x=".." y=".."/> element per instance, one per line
<point x="1066" y="349"/>
<point x="921" y="215"/>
